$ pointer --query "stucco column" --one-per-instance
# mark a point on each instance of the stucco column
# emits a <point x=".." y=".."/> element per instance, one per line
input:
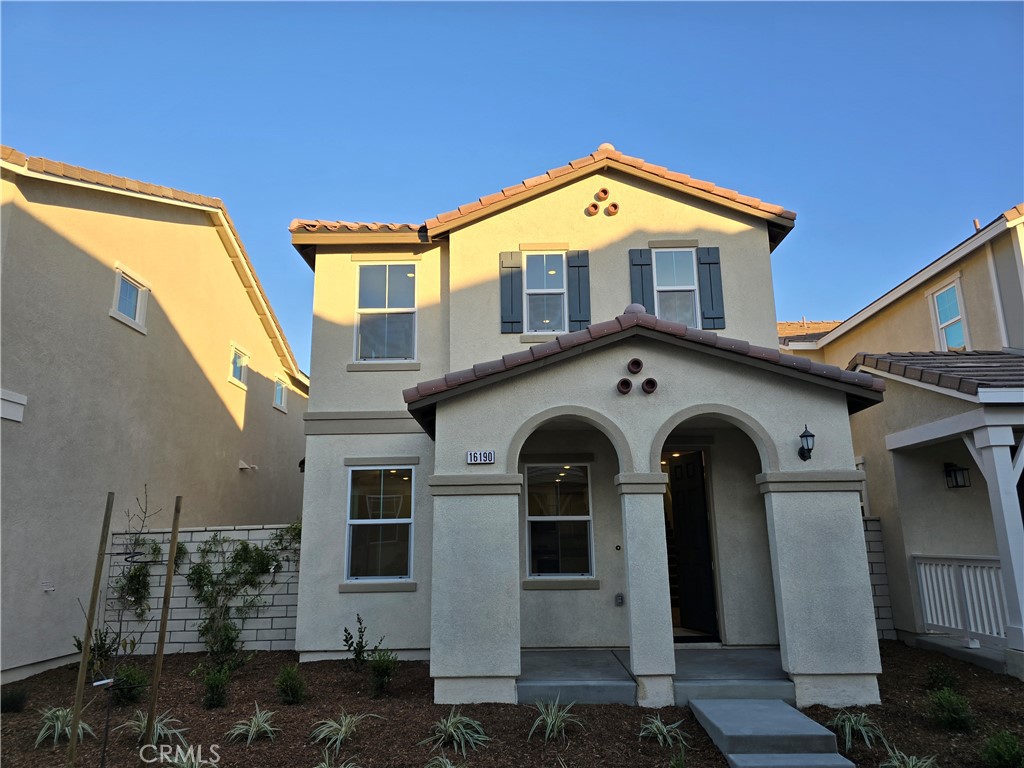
<point x="822" y="588"/>
<point x="474" y="593"/>
<point x="991" y="450"/>
<point x="651" y="650"/>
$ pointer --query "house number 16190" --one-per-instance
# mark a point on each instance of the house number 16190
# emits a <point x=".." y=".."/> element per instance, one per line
<point x="479" y="457"/>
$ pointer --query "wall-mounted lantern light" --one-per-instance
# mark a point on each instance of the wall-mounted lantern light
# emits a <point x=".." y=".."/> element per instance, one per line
<point x="806" y="444"/>
<point x="956" y="477"/>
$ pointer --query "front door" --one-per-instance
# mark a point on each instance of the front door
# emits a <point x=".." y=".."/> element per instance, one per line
<point x="688" y="533"/>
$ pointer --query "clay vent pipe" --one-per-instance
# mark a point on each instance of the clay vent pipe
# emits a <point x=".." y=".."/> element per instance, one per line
<point x="612" y="209"/>
<point x="602" y="194"/>
<point x="593" y="209"/>
<point x="635" y="365"/>
<point x="624" y="386"/>
<point x="649" y="385"/>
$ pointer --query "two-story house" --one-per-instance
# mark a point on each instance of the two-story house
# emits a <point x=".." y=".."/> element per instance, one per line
<point x="499" y="458"/>
<point x="140" y="354"/>
<point x="943" y="455"/>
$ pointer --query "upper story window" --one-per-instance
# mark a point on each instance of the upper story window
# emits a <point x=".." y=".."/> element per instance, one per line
<point x="386" y="312"/>
<point x="558" y="520"/>
<point x="545" y="293"/>
<point x="281" y="395"/>
<point x="675" y="286"/>
<point x="949" y="316"/>
<point x="380" y="511"/>
<point x="239" y="366"/>
<point x="130" y="298"/>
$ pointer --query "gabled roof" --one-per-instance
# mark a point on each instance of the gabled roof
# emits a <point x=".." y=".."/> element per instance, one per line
<point x="862" y="390"/>
<point x="41" y="167"/>
<point x="780" y="221"/>
<point x="965" y="372"/>
<point x="804" y="330"/>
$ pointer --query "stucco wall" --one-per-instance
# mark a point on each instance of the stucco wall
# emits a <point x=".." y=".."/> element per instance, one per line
<point x="111" y="409"/>
<point x="1009" y="268"/>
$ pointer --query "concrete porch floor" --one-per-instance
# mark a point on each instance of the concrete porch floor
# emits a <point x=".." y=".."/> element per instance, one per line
<point x="603" y="677"/>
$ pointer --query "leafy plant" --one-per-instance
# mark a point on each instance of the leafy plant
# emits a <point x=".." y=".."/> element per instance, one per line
<point x="163" y="727"/>
<point x="1002" y="750"/>
<point x="457" y="732"/>
<point x="899" y="760"/>
<point x="938" y="677"/>
<point x="104" y="646"/>
<point x="13" y="699"/>
<point x="951" y="710"/>
<point x="56" y="722"/>
<point x="554" y="718"/>
<point x="850" y="724"/>
<point x="180" y="555"/>
<point x="358" y="644"/>
<point x="383" y="668"/>
<point x="216" y="684"/>
<point x="666" y="734"/>
<point x="440" y="761"/>
<point x="256" y="727"/>
<point x="291" y="686"/>
<point x="678" y="760"/>
<point x="327" y="761"/>
<point x="287" y="540"/>
<point x="338" y="732"/>
<point x="129" y="684"/>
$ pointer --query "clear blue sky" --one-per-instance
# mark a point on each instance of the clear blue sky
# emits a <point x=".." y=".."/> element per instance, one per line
<point x="887" y="127"/>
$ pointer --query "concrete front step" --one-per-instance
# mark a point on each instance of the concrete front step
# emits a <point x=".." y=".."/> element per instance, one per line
<point x="812" y="760"/>
<point x="687" y="690"/>
<point x="760" y="726"/>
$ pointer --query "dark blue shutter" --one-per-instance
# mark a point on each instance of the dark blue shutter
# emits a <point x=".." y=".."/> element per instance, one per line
<point x="641" y="278"/>
<point x="709" y="280"/>
<point x="578" y="263"/>
<point x="511" y="266"/>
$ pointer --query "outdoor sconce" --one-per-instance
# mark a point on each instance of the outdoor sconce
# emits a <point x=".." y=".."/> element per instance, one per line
<point x="806" y="444"/>
<point x="957" y="477"/>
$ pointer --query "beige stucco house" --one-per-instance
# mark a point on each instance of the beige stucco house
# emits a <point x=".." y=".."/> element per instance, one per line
<point x="943" y="455"/>
<point x="139" y="351"/>
<point x="500" y="458"/>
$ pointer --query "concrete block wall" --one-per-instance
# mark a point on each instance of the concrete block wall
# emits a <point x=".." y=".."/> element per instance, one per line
<point x="272" y="628"/>
<point x="879" y="578"/>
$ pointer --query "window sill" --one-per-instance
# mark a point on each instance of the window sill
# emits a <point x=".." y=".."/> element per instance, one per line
<point x="128" y="321"/>
<point x="374" y="366"/>
<point x="240" y="384"/>
<point x="561" y="584"/>
<point x="377" y="586"/>
<point x="280" y="408"/>
<point x="535" y="338"/>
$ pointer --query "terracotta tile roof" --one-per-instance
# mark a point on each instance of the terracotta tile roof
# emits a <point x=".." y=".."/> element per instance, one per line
<point x="265" y="312"/>
<point x="1014" y="213"/>
<point x="636" y="322"/>
<point x="605" y="155"/>
<point x="804" y="330"/>
<point x="319" y="225"/>
<point x="965" y="372"/>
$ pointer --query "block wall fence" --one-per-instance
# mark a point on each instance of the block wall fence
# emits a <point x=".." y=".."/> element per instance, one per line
<point x="272" y="628"/>
<point x="879" y="578"/>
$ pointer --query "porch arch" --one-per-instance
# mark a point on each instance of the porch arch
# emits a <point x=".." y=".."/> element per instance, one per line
<point x="766" y="447"/>
<point x="595" y="419"/>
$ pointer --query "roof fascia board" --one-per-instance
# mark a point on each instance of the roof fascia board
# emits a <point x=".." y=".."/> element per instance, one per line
<point x="357" y="238"/>
<point x="922" y="385"/>
<point x="1001" y="395"/>
<point x="953" y="426"/>
<point x="915" y="281"/>
<point x="800" y="345"/>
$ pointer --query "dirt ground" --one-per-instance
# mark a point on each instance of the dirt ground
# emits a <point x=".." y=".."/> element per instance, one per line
<point x="609" y="737"/>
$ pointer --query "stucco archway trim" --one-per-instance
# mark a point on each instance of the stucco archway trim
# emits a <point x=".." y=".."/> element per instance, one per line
<point x="595" y="419"/>
<point x="766" y="447"/>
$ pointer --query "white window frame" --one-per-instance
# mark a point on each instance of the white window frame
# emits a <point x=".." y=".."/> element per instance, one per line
<point x="244" y="382"/>
<point x="281" y="386"/>
<point x="410" y="521"/>
<point x="388" y="311"/>
<point x="558" y="518"/>
<point x="138" y="322"/>
<point x="695" y="288"/>
<point x="528" y="292"/>
<point x="933" y="298"/>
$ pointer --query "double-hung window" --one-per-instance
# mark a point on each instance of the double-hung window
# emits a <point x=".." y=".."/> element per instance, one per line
<point x="675" y="286"/>
<point x="130" y="299"/>
<point x="386" y="312"/>
<point x="558" y="520"/>
<point x="952" y="336"/>
<point x="380" y="508"/>
<point x="281" y="395"/>
<point x="545" y="293"/>
<point x="239" y="366"/>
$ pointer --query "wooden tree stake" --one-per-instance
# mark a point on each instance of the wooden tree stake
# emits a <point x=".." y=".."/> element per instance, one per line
<point x="164" y="611"/>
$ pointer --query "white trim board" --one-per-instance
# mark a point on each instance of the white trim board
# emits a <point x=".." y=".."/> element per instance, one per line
<point x="953" y="426"/>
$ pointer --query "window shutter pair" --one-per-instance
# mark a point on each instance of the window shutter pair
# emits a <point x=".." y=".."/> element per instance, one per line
<point x="709" y="283"/>
<point x="577" y="290"/>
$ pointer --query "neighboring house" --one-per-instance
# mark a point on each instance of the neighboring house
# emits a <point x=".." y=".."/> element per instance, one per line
<point x="139" y="353"/>
<point x="499" y="458"/>
<point x="943" y="455"/>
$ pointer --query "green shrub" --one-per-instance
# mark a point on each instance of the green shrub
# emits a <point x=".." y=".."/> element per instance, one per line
<point x="951" y="710"/>
<point x="938" y="677"/>
<point x="1002" y="751"/>
<point x="104" y="646"/>
<point x="357" y="645"/>
<point x="899" y="760"/>
<point x="850" y="724"/>
<point x="666" y="734"/>
<point x="258" y="726"/>
<point x="554" y="719"/>
<point x="129" y="684"/>
<point x="337" y="732"/>
<point x="291" y="686"/>
<point x="163" y="727"/>
<point x="456" y="731"/>
<point x="13" y="699"/>
<point x="216" y="684"/>
<point x="56" y="722"/>
<point x="383" y="668"/>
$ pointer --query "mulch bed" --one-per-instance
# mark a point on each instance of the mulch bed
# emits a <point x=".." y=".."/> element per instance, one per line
<point x="610" y="738"/>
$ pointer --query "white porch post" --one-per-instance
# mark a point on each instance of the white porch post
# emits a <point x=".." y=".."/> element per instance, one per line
<point x="651" y="649"/>
<point x="474" y="614"/>
<point x="990" y="447"/>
